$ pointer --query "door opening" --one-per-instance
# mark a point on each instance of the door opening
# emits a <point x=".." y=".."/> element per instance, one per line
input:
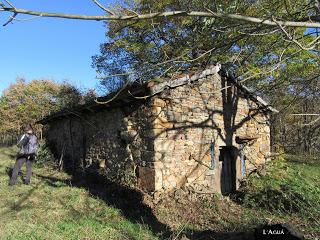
<point x="228" y="179"/>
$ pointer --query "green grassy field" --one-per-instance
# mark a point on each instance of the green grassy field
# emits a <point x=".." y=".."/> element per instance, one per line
<point x="54" y="207"/>
<point x="55" y="210"/>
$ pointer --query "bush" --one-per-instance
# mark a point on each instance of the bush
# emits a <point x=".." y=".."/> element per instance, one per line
<point x="44" y="154"/>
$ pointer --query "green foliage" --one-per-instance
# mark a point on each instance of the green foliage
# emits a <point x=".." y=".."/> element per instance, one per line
<point x="151" y="47"/>
<point x="44" y="154"/>
<point x="68" y="96"/>
<point x="266" y="60"/>
<point x="289" y="188"/>
<point x="26" y="102"/>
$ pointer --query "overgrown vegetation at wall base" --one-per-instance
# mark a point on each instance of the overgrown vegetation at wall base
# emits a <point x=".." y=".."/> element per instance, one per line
<point x="288" y="194"/>
<point x="290" y="189"/>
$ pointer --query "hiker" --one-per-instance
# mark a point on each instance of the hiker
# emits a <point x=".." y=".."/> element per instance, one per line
<point x="28" y="145"/>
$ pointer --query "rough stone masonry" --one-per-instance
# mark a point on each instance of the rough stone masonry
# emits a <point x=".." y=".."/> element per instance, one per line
<point x="202" y="130"/>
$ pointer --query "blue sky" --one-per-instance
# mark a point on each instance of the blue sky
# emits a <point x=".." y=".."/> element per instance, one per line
<point x="51" y="48"/>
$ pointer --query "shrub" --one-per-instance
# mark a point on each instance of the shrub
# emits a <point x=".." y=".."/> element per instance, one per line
<point x="44" y="154"/>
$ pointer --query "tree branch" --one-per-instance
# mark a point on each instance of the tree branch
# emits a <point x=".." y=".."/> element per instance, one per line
<point x="10" y="19"/>
<point x="115" y="96"/>
<point x="305" y="114"/>
<point x="291" y="39"/>
<point x="209" y="14"/>
<point x="10" y="4"/>
<point x="103" y="7"/>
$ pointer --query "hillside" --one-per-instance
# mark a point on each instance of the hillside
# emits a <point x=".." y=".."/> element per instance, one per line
<point x="55" y="206"/>
<point x="50" y="208"/>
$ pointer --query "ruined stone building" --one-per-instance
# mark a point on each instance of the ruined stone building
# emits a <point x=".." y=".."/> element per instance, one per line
<point x="200" y="131"/>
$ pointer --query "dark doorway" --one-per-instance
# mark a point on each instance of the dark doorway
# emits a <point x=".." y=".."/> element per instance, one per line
<point x="228" y="180"/>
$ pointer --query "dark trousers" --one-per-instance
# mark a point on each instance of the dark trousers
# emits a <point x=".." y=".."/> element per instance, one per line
<point x="17" y="166"/>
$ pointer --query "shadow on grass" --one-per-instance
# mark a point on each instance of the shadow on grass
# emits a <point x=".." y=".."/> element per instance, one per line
<point x="128" y="200"/>
<point x="18" y="206"/>
<point x="132" y="206"/>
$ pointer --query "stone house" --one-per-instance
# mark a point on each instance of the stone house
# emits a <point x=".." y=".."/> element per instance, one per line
<point x="200" y="131"/>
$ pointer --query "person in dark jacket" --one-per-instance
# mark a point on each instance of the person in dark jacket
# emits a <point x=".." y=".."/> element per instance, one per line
<point x="28" y="145"/>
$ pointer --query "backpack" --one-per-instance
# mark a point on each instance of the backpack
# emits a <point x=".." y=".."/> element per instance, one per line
<point x="28" y="144"/>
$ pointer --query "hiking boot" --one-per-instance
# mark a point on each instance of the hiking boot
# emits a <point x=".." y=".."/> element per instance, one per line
<point x="11" y="184"/>
<point x="26" y="182"/>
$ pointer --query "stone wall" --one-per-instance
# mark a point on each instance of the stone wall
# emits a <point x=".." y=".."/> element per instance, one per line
<point x="194" y="121"/>
<point x="171" y="140"/>
<point x="111" y="141"/>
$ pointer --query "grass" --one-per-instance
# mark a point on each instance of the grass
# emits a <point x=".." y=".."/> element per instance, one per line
<point x="290" y="192"/>
<point x="44" y="210"/>
<point x="52" y="208"/>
